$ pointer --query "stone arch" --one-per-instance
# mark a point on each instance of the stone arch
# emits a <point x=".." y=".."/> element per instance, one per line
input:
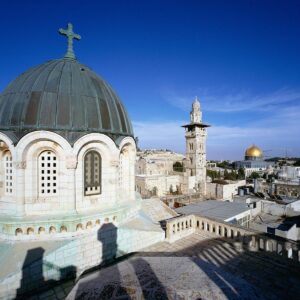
<point x="63" y="229"/>
<point x="109" y="161"/>
<point x="52" y="229"/>
<point x="41" y="230"/>
<point x="33" y="137"/>
<point x="126" y="168"/>
<point x="92" y="138"/>
<point x="79" y="227"/>
<point x="9" y="144"/>
<point x="18" y="231"/>
<point x="30" y="230"/>
<point x="7" y="172"/>
<point x="30" y="150"/>
<point x="89" y="225"/>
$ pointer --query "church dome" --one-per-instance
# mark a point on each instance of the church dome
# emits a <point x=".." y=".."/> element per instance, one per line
<point x="63" y="96"/>
<point x="254" y="152"/>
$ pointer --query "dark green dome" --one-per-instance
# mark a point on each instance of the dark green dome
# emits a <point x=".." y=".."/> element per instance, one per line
<point x="65" y="97"/>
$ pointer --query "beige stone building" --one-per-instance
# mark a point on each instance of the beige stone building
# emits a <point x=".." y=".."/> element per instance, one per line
<point x="223" y="189"/>
<point x="155" y="172"/>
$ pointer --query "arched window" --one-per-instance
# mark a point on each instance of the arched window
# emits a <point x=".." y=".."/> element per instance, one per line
<point x="92" y="173"/>
<point x="47" y="169"/>
<point x="8" y="173"/>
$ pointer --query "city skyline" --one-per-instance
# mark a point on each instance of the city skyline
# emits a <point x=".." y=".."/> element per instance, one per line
<point x="240" y="59"/>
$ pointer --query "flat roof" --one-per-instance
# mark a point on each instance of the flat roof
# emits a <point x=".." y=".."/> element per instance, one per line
<point x="222" y="210"/>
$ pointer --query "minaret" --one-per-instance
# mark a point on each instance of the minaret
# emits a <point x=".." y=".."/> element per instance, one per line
<point x="195" y="135"/>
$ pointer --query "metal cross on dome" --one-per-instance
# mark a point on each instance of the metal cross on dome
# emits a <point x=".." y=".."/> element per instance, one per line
<point x="70" y="35"/>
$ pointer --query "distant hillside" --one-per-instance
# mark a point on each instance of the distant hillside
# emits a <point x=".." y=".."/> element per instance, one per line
<point x="276" y="159"/>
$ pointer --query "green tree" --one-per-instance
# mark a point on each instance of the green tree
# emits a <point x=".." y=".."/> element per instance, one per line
<point x="224" y="164"/>
<point x="212" y="174"/>
<point x="254" y="175"/>
<point x="241" y="173"/>
<point x="226" y="174"/>
<point x="297" y="163"/>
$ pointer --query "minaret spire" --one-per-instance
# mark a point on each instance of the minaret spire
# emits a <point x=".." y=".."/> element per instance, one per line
<point x="70" y="35"/>
<point x="196" y="114"/>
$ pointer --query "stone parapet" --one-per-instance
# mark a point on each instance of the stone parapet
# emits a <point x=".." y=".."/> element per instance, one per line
<point x="41" y="228"/>
<point x="179" y="227"/>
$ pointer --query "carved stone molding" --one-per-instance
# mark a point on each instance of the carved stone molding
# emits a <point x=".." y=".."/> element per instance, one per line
<point x="20" y="164"/>
<point x="71" y="162"/>
<point x="114" y="163"/>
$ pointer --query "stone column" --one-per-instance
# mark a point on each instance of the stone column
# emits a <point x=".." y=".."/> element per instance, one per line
<point x="71" y="164"/>
<point x="114" y="179"/>
<point x="223" y="231"/>
<point x="19" y="187"/>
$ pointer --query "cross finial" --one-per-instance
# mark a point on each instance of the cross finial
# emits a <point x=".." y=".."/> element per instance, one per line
<point x="70" y="35"/>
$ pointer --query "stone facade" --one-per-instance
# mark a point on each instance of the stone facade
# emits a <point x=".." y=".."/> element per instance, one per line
<point x="281" y="188"/>
<point x="224" y="191"/>
<point x="24" y="199"/>
<point x="155" y="175"/>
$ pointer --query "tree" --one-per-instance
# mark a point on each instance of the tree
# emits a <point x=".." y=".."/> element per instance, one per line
<point x="241" y="173"/>
<point x="224" y="164"/>
<point x="297" y="163"/>
<point x="254" y="175"/>
<point x="212" y="174"/>
<point x="226" y="174"/>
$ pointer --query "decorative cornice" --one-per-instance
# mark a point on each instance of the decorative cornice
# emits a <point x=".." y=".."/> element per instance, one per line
<point x="19" y="164"/>
<point x="114" y="163"/>
<point x="71" y="162"/>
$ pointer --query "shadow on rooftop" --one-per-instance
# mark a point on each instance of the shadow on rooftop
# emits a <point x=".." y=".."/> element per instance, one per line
<point x="33" y="279"/>
<point x="205" y="269"/>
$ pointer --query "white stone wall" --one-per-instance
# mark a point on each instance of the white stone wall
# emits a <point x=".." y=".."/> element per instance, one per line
<point x="223" y="191"/>
<point x="145" y="185"/>
<point x="117" y="181"/>
<point x="74" y="256"/>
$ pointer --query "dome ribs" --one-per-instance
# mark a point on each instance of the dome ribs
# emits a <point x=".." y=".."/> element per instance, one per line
<point x="63" y="96"/>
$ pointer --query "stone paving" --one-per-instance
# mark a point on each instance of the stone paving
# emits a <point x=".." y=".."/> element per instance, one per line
<point x="196" y="267"/>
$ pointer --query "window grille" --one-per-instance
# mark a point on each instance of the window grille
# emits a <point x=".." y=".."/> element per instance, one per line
<point x="8" y="173"/>
<point x="47" y="168"/>
<point x="92" y="173"/>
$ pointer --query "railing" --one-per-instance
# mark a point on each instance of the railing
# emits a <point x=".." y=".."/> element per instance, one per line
<point x="184" y="226"/>
<point x="184" y="199"/>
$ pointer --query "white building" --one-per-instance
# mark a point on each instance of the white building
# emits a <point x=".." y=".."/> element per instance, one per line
<point x="223" y="189"/>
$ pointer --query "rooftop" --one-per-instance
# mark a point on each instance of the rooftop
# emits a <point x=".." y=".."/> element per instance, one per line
<point x="196" y="267"/>
<point x="221" y="210"/>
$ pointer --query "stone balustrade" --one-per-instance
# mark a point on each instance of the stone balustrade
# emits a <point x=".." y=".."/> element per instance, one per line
<point x="182" y="199"/>
<point x="243" y="238"/>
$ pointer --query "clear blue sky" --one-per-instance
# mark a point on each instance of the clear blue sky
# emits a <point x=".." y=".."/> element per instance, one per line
<point x="241" y="58"/>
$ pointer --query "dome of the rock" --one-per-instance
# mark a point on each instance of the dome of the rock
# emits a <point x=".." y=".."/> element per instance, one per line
<point x="63" y="96"/>
<point x="253" y="152"/>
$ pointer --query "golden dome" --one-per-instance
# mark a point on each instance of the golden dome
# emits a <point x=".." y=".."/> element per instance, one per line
<point x="254" y="151"/>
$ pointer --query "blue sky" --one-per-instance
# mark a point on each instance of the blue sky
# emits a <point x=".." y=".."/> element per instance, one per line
<point x="241" y="58"/>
